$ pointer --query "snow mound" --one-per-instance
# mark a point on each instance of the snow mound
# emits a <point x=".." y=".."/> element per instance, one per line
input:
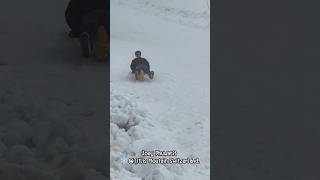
<point x="35" y="145"/>
<point x="124" y="128"/>
<point x="130" y="132"/>
<point x="124" y="114"/>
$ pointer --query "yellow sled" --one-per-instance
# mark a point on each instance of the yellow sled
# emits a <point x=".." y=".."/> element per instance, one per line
<point x="102" y="44"/>
<point x="139" y="75"/>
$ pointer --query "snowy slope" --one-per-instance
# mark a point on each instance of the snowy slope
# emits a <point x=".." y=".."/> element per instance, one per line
<point x="52" y="123"/>
<point x="172" y="111"/>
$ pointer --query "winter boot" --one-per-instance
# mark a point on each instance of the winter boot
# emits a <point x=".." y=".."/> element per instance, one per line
<point x="86" y="44"/>
<point x="151" y="74"/>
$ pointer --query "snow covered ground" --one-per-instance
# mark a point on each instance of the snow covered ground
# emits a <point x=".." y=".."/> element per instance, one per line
<point x="170" y="112"/>
<point x="52" y="109"/>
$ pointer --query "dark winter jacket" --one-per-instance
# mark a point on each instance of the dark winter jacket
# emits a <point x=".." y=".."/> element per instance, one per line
<point x="78" y="8"/>
<point x="139" y="61"/>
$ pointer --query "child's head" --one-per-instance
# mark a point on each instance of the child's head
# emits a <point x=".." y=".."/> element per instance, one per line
<point x="138" y="53"/>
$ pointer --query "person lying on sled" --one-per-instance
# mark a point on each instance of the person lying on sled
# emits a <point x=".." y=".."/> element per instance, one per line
<point x="140" y="63"/>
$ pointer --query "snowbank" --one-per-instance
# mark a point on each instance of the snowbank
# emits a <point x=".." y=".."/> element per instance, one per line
<point x="52" y="123"/>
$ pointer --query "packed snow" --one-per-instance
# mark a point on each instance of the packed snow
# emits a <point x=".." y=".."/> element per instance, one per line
<point x="170" y="112"/>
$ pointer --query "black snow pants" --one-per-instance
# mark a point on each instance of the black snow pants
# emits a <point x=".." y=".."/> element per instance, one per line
<point x="91" y="21"/>
<point x="143" y="67"/>
<point x="87" y="15"/>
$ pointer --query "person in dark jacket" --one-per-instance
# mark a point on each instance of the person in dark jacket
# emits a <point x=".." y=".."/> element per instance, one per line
<point x="140" y="63"/>
<point x="84" y="17"/>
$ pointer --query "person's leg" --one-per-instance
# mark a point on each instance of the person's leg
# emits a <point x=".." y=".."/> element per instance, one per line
<point x="89" y="23"/>
<point x="137" y="68"/>
<point x="87" y="32"/>
<point x="147" y="71"/>
<point x="92" y="20"/>
<point x="151" y="74"/>
<point x="89" y="27"/>
<point x="73" y="18"/>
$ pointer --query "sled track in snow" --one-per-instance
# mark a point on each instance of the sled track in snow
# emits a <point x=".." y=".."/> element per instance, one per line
<point x="181" y="16"/>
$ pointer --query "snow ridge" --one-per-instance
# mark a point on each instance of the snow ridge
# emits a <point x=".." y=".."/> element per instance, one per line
<point x="131" y="131"/>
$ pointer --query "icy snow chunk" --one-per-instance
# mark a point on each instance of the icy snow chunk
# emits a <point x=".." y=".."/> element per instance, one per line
<point x="45" y="131"/>
<point x="18" y="132"/>
<point x="54" y="149"/>
<point x="124" y="113"/>
<point x="21" y="126"/>
<point x="93" y="158"/>
<point x="3" y="149"/>
<point x="73" y="134"/>
<point x="41" y="132"/>
<point x="73" y="169"/>
<point x="5" y="115"/>
<point x="160" y="173"/>
<point x="94" y="175"/>
<point x="26" y="112"/>
<point x="18" y="154"/>
<point x="136" y="132"/>
<point x="10" y="171"/>
<point x="11" y="138"/>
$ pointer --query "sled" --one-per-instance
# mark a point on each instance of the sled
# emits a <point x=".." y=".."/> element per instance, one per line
<point x="139" y="75"/>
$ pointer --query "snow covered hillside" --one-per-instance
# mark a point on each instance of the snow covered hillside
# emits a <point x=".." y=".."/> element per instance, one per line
<point x="52" y="109"/>
<point x="170" y="112"/>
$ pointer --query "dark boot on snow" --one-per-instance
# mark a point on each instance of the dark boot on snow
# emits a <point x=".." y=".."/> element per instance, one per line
<point x="86" y="44"/>
<point x="151" y="74"/>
